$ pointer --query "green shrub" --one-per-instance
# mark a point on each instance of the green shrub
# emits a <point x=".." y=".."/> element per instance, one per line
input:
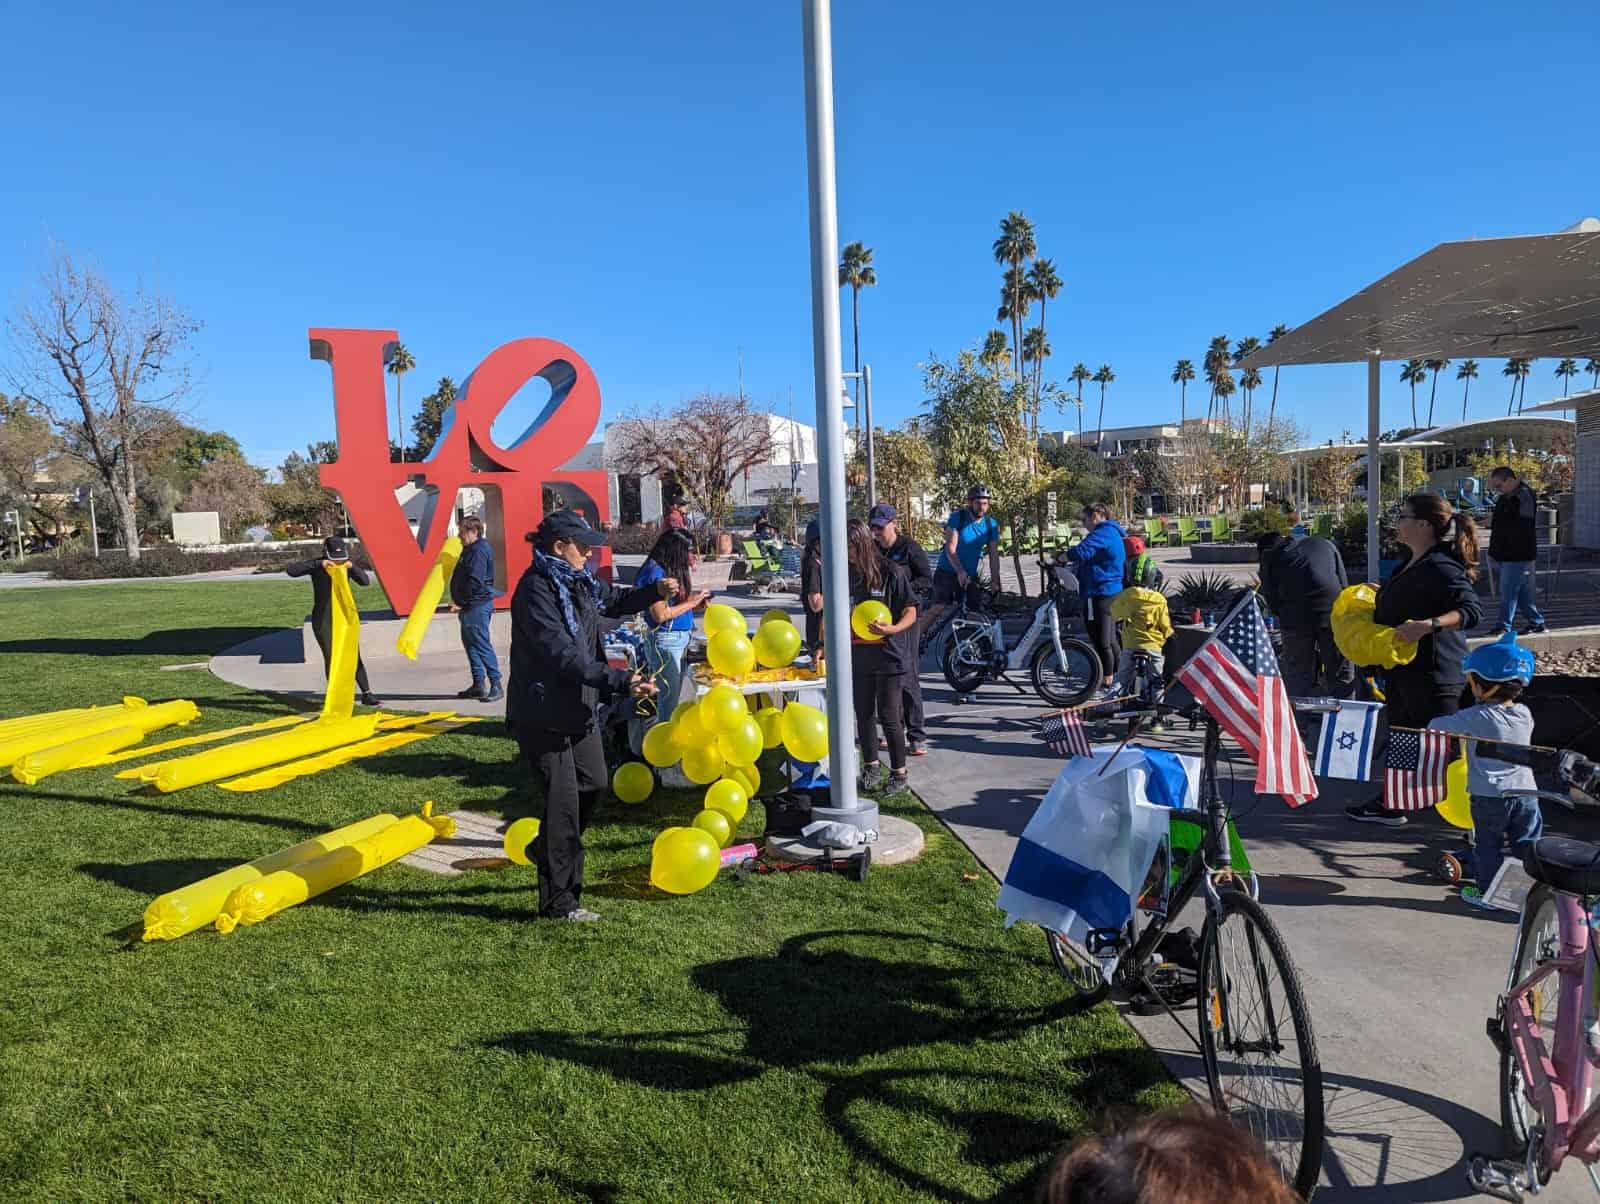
<point x="1254" y="523"/>
<point x="168" y="560"/>
<point x="636" y="539"/>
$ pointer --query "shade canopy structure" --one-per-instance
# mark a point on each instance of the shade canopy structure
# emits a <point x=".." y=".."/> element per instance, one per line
<point x="1530" y="296"/>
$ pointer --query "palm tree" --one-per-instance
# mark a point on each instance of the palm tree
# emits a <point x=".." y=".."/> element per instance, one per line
<point x="995" y="349"/>
<point x="1527" y="370"/>
<point x="1467" y="373"/>
<point x="1249" y="382"/>
<point x="1566" y="370"/>
<point x="1412" y="374"/>
<point x="1080" y="373"/>
<point x="400" y="362"/>
<point x="1014" y="289"/>
<point x="1182" y="374"/>
<point x="1103" y="377"/>
<point x="1035" y="350"/>
<point x="1225" y="388"/>
<point x="1015" y="244"/>
<point x="1216" y="362"/>
<point x="1246" y="346"/>
<point x="856" y="270"/>
<point x="1044" y="285"/>
<point x="1435" y="367"/>
<point x="1517" y="369"/>
<point x="1273" y="335"/>
<point x="1593" y="369"/>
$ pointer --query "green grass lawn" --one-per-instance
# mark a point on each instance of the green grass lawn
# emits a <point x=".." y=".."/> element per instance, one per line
<point x="410" y="1037"/>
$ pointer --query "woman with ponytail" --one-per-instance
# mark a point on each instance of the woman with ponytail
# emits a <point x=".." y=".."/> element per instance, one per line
<point x="1430" y="601"/>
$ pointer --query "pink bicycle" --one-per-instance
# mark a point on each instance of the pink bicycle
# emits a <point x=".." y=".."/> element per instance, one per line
<point x="1545" y="1025"/>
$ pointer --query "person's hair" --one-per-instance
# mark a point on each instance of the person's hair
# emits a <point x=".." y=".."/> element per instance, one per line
<point x="1187" y="1156"/>
<point x="863" y="553"/>
<point x="671" y="551"/>
<point x="1455" y="530"/>
<point x="1501" y="472"/>
<point x="1098" y="509"/>
<point x="1498" y="691"/>
<point x="472" y="523"/>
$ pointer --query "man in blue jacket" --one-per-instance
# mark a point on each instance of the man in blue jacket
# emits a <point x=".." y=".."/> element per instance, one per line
<point x="1099" y="561"/>
<point x="472" y="597"/>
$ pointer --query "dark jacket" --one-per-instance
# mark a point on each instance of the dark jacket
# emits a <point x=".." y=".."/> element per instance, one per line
<point x="887" y="657"/>
<point x="557" y="680"/>
<point x="910" y="558"/>
<point x="1300" y="578"/>
<point x="322" y="587"/>
<point x="1511" y="535"/>
<point x="1430" y="589"/>
<point x="473" y="581"/>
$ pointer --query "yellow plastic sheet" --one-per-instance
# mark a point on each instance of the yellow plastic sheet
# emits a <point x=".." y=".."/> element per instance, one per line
<point x="340" y="700"/>
<point x="428" y="597"/>
<point x="1359" y="638"/>
<point x="255" y="901"/>
<point x="37" y="766"/>
<point x="190" y="907"/>
<point x="266" y="779"/>
<point x="227" y="733"/>
<point x="248" y="755"/>
<point x="146" y="718"/>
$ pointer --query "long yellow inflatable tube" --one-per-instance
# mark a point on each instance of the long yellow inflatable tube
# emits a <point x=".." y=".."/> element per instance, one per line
<point x="255" y="901"/>
<point x="146" y="719"/>
<point x="181" y="911"/>
<point x="345" y="629"/>
<point x="35" y="767"/>
<point x="248" y="755"/>
<point x="1359" y="638"/>
<point x="428" y="597"/>
<point x="25" y="723"/>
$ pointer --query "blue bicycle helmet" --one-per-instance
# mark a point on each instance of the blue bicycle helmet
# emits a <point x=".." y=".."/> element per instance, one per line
<point x="1502" y="660"/>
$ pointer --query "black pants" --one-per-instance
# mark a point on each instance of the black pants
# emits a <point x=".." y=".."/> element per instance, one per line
<point x="911" y="706"/>
<point x="1102" y="634"/>
<point x="572" y="770"/>
<point x="1307" y="651"/>
<point x="878" y="698"/>
<point x="324" y="637"/>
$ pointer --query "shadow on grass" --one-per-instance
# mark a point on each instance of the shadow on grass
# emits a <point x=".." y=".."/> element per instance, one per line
<point x="159" y="876"/>
<point x="132" y="802"/>
<point x="177" y="641"/>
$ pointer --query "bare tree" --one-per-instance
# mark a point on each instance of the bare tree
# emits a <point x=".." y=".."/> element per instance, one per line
<point x="110" y="371"/>
<point x="705" y="446"/>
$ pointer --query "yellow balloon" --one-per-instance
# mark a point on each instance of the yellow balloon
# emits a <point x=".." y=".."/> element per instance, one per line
<point x="684" y="860"/>
<point x="665" y="832"/>
<point x="728" y="797"/>
<point x="660" y="746"/>
<point x="716" y="823"/>
<point x="722" y="708"/>
<point x="518" y="837"/>
<point x="770" y="721"/>
<point x="721" y="617"/>
<point x="776" y="616"/>
<point x="702" y="765"/>
<point x="633" y="782"/>
<point x="866" y="612"/>
<point x="731" y="653"/>
<point x="1456" y="806"/>
<point x="805" y="732"/>
<point x="745" y="776"/>
<point x="687" y="729"/>
<point x="776" y="644"/>
<point x="741" y="743"/>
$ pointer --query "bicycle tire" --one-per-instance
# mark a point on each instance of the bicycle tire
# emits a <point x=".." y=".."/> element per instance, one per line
<point x="959" y="682"/>
<point x="1514" y="1122"/>
<point x="1076" y="650"/>
<point x="1081" y="972"/>
<point x="1239" y="913"/>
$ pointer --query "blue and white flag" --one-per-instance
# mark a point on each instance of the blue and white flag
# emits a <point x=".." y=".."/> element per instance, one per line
<point x="1348" y="737"/>
<point x="1088" y="848"/>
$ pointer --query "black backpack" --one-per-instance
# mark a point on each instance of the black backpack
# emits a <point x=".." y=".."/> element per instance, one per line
<point x="788" y="813"/>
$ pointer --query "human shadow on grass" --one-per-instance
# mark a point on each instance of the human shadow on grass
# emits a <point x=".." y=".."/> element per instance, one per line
<point x="159" y="876"/>
<point x="130" y="802"/>
<point x="176" y="641"/>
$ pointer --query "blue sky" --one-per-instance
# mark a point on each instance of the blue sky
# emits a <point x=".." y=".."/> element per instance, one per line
<point x="630" y="178"/>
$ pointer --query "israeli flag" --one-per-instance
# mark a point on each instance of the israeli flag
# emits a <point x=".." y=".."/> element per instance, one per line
<point x="1088" y="848"/>
<point x="1348" y="737"/>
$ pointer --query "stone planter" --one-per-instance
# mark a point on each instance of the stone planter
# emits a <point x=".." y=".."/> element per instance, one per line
<point x="714" y="575"/>
<point x="1222" y="553"/>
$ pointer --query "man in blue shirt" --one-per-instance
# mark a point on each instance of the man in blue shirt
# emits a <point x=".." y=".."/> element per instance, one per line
<point x="968" y="534"/>
<point x="472" y="596"/>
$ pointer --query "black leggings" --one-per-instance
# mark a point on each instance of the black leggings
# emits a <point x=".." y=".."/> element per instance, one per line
<point x="878" y="698"/>
<point x="1102" y="633"/>
<point x="325" y="642"/>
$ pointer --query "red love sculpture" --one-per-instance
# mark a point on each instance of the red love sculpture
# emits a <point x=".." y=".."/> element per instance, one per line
<point x="465" y="456"/>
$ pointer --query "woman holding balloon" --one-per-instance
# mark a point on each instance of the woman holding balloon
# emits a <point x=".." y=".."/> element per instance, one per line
<point x="880" y="663"/>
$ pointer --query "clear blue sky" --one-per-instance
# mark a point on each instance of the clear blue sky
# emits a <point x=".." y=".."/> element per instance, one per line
<point x="630" y="178"/>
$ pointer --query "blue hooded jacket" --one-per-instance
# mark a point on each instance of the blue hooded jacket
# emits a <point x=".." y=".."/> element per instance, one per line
<point x="1099" y="560"/>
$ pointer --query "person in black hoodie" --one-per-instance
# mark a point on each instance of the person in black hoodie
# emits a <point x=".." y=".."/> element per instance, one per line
<point x="1300" y="579"/>
<point x="1430" y="602"/>
<point x="334" y="551"/>
<point x="1514" y="546"/>
<point x="909" y="557"/>
<point x="472" y="597"/>
<point x="878" y="666"/>
<point x="559" y="676"/>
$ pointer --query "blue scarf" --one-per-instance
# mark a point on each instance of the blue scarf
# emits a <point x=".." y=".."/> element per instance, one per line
<point x="562" y="575"/>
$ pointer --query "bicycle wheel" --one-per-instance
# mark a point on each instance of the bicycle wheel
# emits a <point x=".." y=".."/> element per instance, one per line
<point x="1538" y="940"/>
<point x="966" y="659"/>
<point x="1255" y="1034"/>
<point x="1082" y="972"/>
<point x="1065" y="685"/>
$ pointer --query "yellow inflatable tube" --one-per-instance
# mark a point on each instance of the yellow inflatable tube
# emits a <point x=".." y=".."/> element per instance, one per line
<point x="428" y="598"/>
<point x="145" y="719"/>
<point x="255" y="901"/>
<point x="1362" y="640"/>
<point x="248" y="755"/>
<point x="25" y="723"/>
<point x="37" y="766"/>
<point x="340" y="700"/>
<point x="190" y="907"/>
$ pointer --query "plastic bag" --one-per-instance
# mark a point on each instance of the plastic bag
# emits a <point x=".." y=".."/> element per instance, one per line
<point x="1359" y="638"/>
<point x="428" y="597"/>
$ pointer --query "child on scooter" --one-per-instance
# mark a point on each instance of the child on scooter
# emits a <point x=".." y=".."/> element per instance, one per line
<point x="1141" y="608"/>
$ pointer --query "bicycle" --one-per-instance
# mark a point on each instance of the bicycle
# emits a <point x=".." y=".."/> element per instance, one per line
<point x="1256" y="1041"/>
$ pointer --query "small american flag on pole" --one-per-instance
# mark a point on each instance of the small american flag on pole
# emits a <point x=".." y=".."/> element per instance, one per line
<point x="1413" y="774"/>
<point x="1063" y="732"/>
<point x="1235" y="677"/>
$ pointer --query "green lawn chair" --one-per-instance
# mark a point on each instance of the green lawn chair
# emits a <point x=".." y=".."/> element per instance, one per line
<point x="1155" y="533"/>
<point x="1063" y="535"/>
<point x="1005" y="541"/>
<point x="1322" y="526"/>
<point x="1221" y="529"/>
<point x="1187" y="531"/>
<point x="759" y="561"/>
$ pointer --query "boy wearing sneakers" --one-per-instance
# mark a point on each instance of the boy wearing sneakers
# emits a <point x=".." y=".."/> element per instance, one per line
<point x="1498" y="673"/>
<point x="1141" y="608"/>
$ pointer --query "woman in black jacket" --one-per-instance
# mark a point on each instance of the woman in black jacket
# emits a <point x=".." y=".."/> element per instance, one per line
<point x="1429" y="601"/>
<point x="879" y="667"/>
<point x="334" y="551"/>
<point x="558" y="677"/>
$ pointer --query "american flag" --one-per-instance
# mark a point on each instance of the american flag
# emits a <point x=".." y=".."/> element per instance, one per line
<point x="1235" y="677"/>
<point x="1413" y="774"/>
<point x="1063" y="732"/>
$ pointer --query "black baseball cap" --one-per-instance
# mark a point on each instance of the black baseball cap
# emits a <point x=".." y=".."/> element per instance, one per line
<point x="334" y="548"/>
<point x="881" y="515"/>
<point x="570" y="525"/>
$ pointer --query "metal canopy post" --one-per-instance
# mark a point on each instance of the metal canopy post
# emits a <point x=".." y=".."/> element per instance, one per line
<point x="1374" y="466"/>
<point x="866" y="417"/>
